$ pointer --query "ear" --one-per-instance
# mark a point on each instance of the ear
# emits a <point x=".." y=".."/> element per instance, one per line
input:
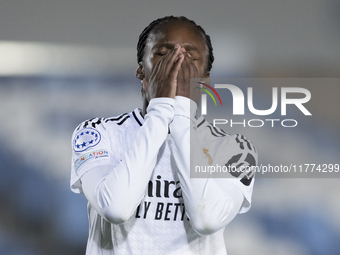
<point x="207" y="75"/>
<point x="139" y="71"/>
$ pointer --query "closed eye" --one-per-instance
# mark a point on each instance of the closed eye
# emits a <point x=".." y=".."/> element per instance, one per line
<point x="160" y="54"/>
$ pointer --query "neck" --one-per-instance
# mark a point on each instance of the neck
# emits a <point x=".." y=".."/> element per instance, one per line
<point x="145" y="106"/>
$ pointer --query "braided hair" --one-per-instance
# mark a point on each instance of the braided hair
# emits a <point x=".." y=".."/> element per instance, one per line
<point x="156" y="23"/>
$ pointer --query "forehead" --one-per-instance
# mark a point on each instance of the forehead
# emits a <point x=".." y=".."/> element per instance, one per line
<point x="173" y="32"/>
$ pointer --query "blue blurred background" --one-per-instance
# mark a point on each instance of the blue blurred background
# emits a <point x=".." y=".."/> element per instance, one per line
<point x="62" y="62"/>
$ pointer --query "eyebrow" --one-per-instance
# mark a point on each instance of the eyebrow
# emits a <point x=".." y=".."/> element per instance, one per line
<point x="187" y="47"/>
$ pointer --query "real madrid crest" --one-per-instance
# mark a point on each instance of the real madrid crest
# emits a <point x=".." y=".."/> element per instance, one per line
<point x="205" y="151"/>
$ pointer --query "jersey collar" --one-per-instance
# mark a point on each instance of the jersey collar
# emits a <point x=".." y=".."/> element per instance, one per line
<point x="137" y="116"/>
<point x="201" y="122"/>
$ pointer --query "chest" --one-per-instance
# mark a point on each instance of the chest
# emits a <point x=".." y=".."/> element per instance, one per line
<point x="163" y="195"/>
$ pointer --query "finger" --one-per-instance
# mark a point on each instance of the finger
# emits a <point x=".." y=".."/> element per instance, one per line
<point x="171" y="59"/>
<point x="192" y="67"/>
<point x="161" y="66"/>
<point x="156" y="68"/>
<point x="180" y="76"/>
<point x="176" y="67"/>
<point x="186" y="69"/>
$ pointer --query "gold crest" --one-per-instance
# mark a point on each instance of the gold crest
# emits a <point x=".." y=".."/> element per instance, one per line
<point x="205" y="151"/>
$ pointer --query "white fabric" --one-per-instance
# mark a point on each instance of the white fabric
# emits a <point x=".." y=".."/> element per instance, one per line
<point x="139" y="188"/>
<point x="209" y="205"/>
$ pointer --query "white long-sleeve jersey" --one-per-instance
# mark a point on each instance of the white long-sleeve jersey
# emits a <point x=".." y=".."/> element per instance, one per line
<point x="136" y="177"/>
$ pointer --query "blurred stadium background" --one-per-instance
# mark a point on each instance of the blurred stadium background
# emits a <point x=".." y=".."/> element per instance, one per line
<point x="62" y="62"/>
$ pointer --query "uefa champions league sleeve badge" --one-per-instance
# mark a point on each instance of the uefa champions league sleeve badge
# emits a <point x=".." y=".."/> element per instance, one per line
<point x="86" y="138"/>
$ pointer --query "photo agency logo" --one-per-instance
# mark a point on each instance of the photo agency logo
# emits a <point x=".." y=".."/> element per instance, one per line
<point x="282" y="97"/>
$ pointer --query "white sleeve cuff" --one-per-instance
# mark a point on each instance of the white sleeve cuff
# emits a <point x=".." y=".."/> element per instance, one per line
<point x="161" y="100"/>
<point x="185" y="107"/>
<point x="161" y="106"/>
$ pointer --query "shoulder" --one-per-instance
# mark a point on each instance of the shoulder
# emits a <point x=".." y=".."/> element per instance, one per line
<point x="234" y="147"/>
<point x="238" y="146"/>
<point x="234" y="151"/>
<point x="224" y="140"/>
<point x="103" y="123"/>
<point x="240" y="143"/>
<point x="211" y="134"/>
<point x="91" y="132"/>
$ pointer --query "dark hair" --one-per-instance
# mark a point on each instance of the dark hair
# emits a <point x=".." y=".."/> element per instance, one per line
<point x="145" y="34"/>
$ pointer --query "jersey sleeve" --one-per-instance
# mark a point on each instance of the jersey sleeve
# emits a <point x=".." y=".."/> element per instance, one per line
<point x="115" y="190"/>
<point x="209" y="204"/>
<point x="90" y="148"/>
<point x="239" y="156"/>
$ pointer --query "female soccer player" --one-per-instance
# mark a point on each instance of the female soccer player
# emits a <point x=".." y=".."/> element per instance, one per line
<point x="134" y="169"/>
